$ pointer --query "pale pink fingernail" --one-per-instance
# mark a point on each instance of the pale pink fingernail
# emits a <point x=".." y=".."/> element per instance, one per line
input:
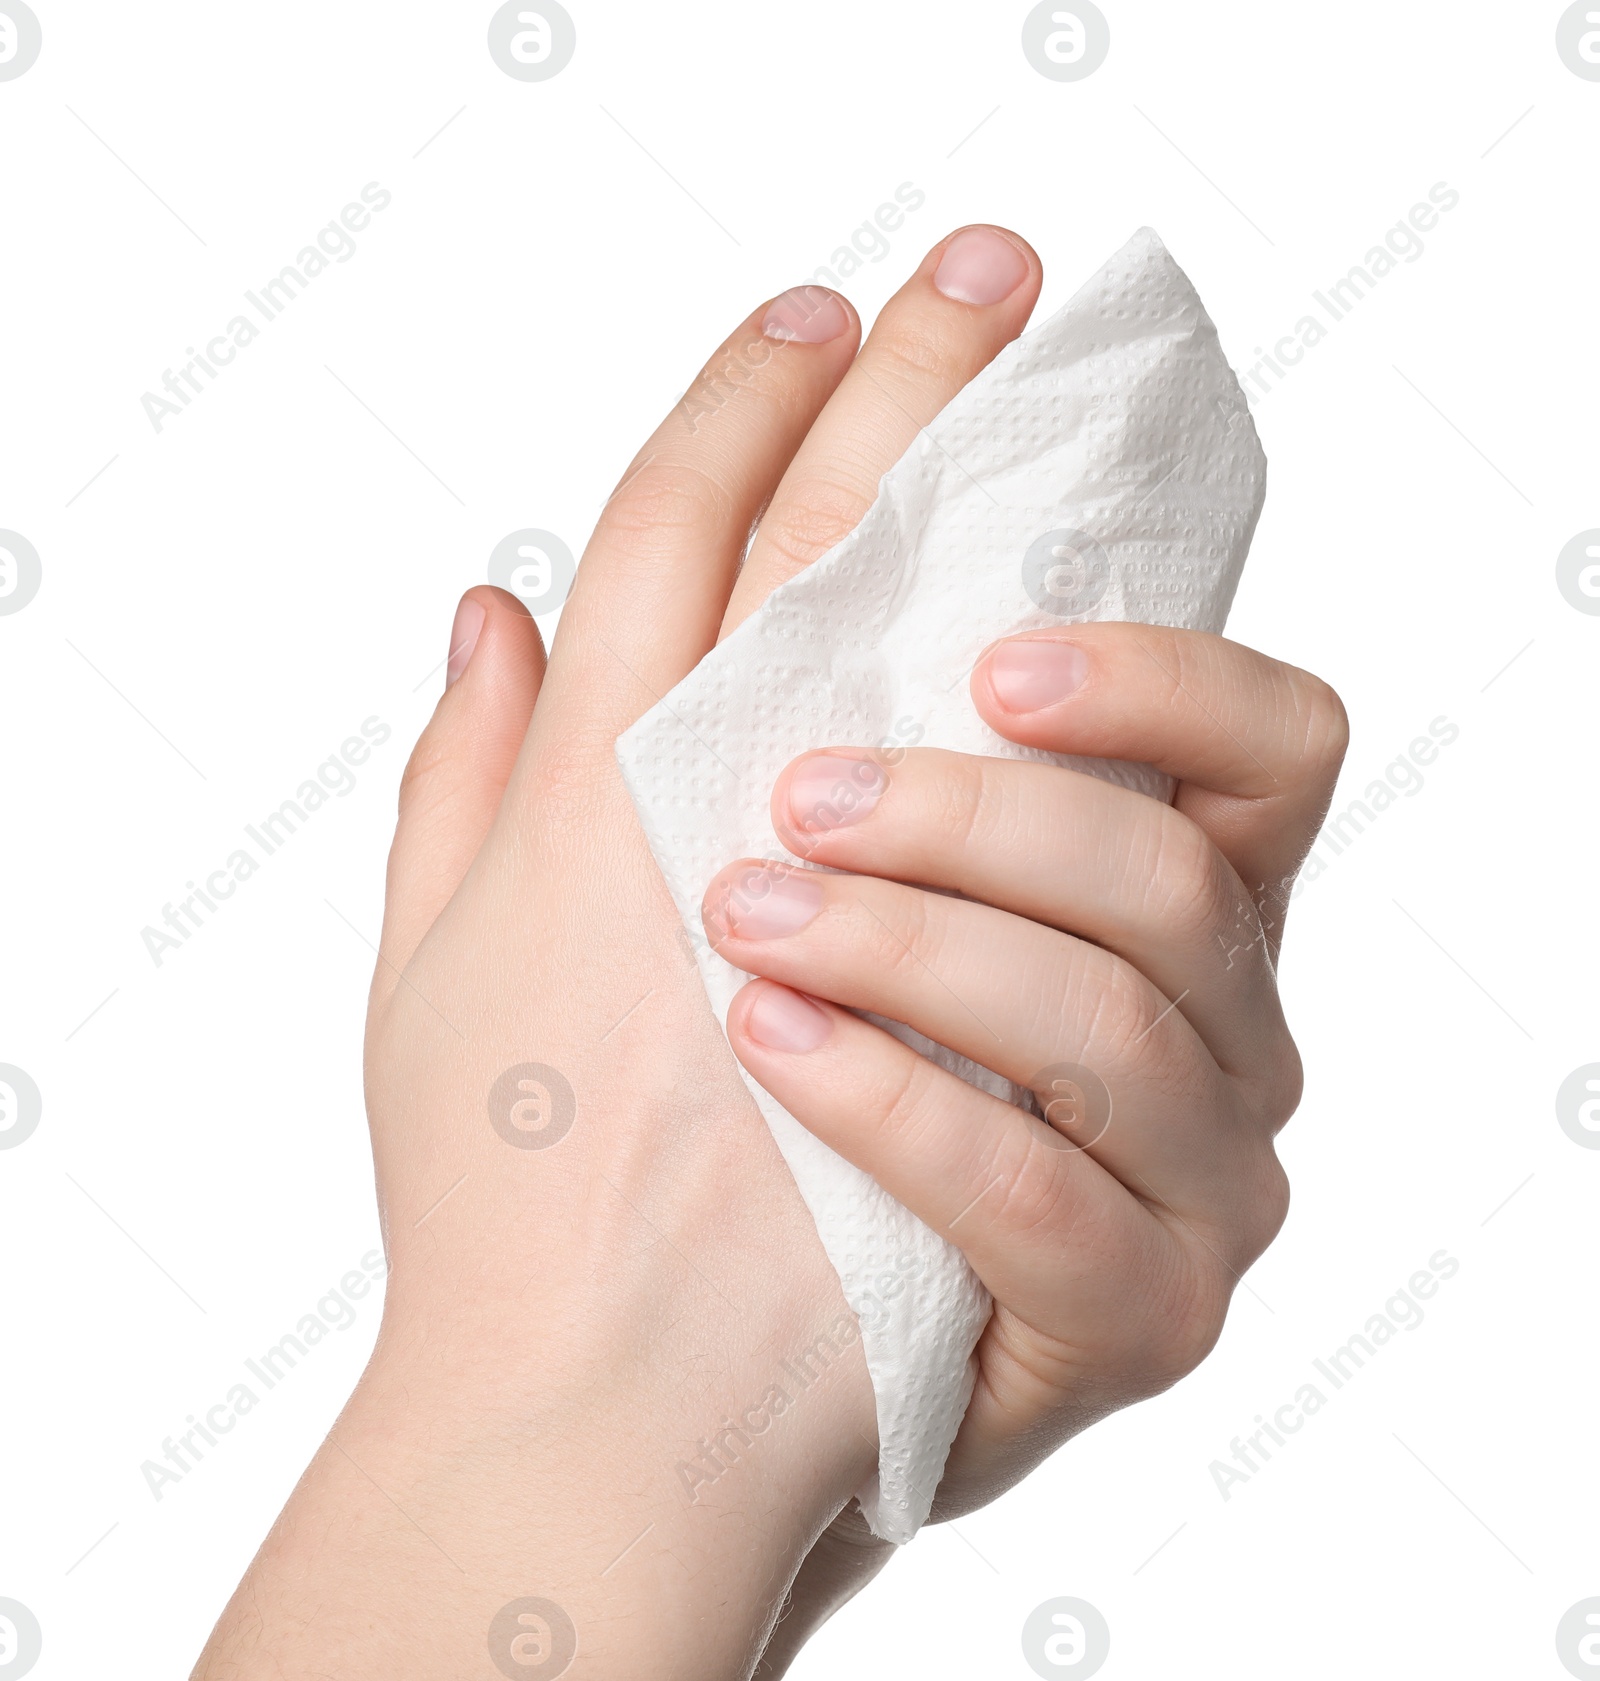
<point x="1029" y="676"/>
<point x="770" y="904"/>
<point x="463" y="637"/>
<point x="784" y="1021"/>
<point x="806" y="315"/>
<point x="980" y="266"/>
<point x="827" y="792"/>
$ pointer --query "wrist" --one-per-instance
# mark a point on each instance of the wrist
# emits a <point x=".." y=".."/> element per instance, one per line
<point x="663" y="1507"/>
<point x="662" y="1518"/>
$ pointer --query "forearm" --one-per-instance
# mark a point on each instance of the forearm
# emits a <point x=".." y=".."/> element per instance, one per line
<point x="439" y="1499"/>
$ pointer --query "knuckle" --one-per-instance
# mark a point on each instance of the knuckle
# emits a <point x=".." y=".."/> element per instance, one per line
<point x="1283" y="1084"/>
<point x="1120" y="1010"/>
<point x="896" y="1099"/>
<point x="809" y="520"/>
<point x="1173" y="656"/>
<point x="1324" y="725"/>
<point x="898" y="946"/>
<point x="1111" y="1019"/>
<point x="960" y="796"/>
<point x="559" y="785"/>
<point x="1190" y="881"/>
<point x="1185" y="1322"/>
<point x="915" y="349"/>
<point x="1268" y="1206"/>
<point x="737" y="388"/>
<point x="735" y="371"/>
<point x="569" y="758"/>
<point x="428" y="759"/>
<point x="664" y="500"/>
<point x="1033" y="1194"/>
<point x="1185" y="1318"/>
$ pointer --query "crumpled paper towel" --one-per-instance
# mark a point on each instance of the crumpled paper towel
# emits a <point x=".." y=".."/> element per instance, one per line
<point x="1103" y="466"/>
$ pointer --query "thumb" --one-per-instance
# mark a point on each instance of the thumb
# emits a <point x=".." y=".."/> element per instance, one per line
<point x="458" y="770"/>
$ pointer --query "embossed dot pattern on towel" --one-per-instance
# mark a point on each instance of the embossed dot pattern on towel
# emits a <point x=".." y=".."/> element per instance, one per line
<point x="1118" y="420"/>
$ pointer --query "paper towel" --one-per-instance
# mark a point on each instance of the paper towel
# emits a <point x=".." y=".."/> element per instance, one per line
<point x="1103" y="466"/>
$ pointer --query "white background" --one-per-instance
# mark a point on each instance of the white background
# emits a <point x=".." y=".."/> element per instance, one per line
<point x="231" y="597"/>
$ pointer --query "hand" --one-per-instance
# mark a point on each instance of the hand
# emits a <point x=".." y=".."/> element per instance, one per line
<point x="568" y="1328"/>
<point x="1110" y="953"/>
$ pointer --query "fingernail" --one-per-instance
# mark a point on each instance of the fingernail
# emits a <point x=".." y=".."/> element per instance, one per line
<point x="784" y="1021"/>
<point x="770" y="904"/>
<point x="1028" y="676"/>
<point x="980" y="266"/>
<point x="463" y="637"/>
<point x="827" y="792"/>
<point x="805" y="314"/>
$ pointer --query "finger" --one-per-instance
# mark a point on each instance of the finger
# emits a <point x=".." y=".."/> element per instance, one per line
<point x="654" y="580"/>
<point x="458" y="770"/>
<point x="1071" y="851"/>
<point x="1103" y="1282"/>
<point x="969" y="298"/>
<point x="1255" y="744"/>
<point x="992" y="1180"/>
<point x="1024" y="1001"/>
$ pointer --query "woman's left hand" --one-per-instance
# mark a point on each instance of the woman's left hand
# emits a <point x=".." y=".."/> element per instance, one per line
<point x="1111" y="953"/>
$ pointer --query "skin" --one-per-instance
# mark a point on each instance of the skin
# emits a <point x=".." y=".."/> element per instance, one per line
<point x="566" y="1327"/>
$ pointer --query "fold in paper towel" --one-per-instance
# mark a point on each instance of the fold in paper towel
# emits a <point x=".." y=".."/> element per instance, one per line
<point x="1103" y="466"/>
